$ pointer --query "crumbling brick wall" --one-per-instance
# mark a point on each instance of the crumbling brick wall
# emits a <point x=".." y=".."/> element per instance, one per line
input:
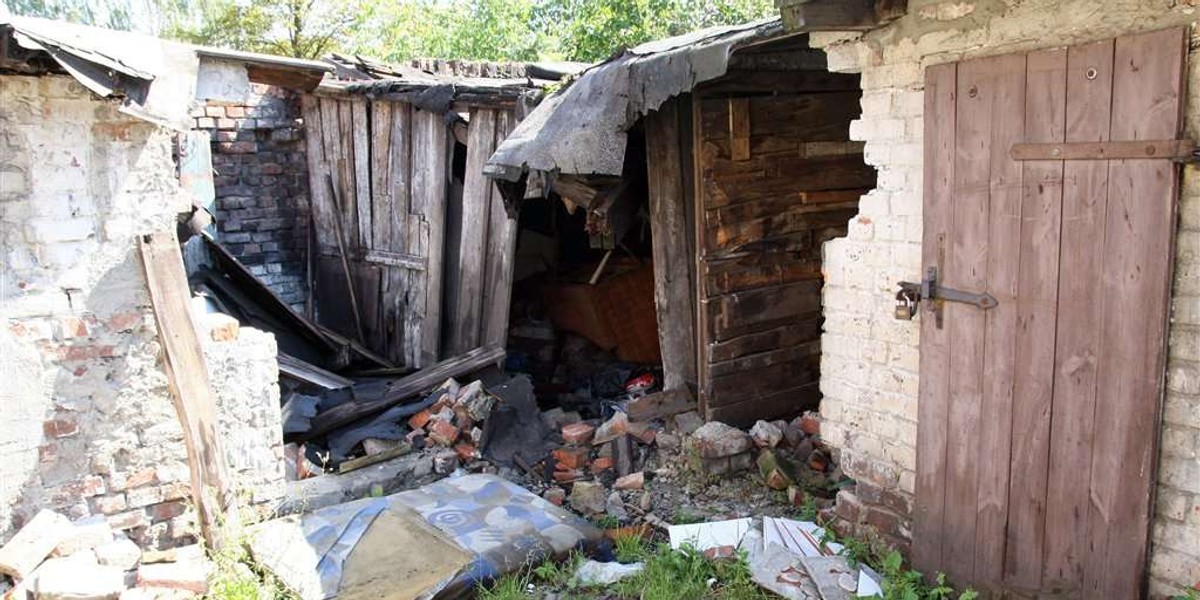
<point x="261" y="182"/>
<point x="870" y="361"/>
<point x="88" y="426"/>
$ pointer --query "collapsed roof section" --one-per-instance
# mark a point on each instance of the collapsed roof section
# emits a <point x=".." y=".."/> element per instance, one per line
<point x="581" y="129"/>
<point x="158" y="80"/>
<point x="435" y="86"/>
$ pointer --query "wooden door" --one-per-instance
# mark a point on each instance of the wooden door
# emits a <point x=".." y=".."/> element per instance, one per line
<point x="776" y="178"/>
<point x="377" y="177"/>
<point x="1038" y="419"/>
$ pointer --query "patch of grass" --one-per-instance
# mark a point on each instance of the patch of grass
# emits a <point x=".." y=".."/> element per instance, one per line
<point x="631" y="549"/>
<point x="809" y="511"/>
<point x="607" y="522"/>
<point x="236" y="576"/>
<point x="558" y="575"/>
<point x="514" y="586"/>
<point x="686" y="573"/>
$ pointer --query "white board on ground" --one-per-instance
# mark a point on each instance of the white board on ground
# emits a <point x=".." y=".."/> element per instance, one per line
<point x="703" y="536"/>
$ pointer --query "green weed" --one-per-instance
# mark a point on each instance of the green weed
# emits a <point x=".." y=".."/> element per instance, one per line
<point x="607" y="522"/>
<point x="236" y="576"/>
<point x="631" y="549"/>
<point x="514" y="586"/>
<point x="684" y="516"/>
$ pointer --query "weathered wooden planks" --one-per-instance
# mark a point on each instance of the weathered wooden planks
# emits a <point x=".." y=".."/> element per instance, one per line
<point x="502" y="250"/>
<point x="1085" y="201"/>
<point x="933" y="407"/>
<point x="673" y="286"/>
<point x="1037" y="307"/>
<point x="467" y="276"/>
<point x="1020" y="494"/>
<point x="430" y="176"/>
<point x="191" y="393"/>
<point x="1147" y="103"/>
<point x="777" y="177"/>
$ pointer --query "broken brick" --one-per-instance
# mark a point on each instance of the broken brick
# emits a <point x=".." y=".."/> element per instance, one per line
<point x="643" y="432"/>
<point x="555" y="496"/>
<point x="578" y="433"/>
<point x="571" y="457"/>
<point x="612" y="429"/>
<point x="632" y="481"/>
<point x="419" y="420"/>
<point x="443" y="433"/>
<point x="810" y="424"/>
<point x="602" y="464"/>
<point x="567" y="476"/>
<point x="466" y="452"/>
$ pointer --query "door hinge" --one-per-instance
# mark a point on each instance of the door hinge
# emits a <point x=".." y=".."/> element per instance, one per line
<point x="911" y="294"/>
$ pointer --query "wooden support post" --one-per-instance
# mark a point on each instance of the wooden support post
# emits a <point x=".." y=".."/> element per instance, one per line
<point x="674" y="292"/>
<point x="187" y="376"/>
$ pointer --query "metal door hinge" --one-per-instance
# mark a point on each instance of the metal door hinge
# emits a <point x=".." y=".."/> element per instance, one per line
<point x="909" y="297"/>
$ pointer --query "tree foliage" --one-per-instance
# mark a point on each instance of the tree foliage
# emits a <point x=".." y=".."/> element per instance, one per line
<point x="397" y="30"/>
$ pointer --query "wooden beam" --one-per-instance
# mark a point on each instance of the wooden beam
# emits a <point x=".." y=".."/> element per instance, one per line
<point x="739" y="128"/>
<point x="191" y="393"/>
<point x="660" y="404"/>
<point x="674" y="293"/>
<point x="310" y="373"/>
<point x="405" y="388"/>
<point x="1150" y="149"/>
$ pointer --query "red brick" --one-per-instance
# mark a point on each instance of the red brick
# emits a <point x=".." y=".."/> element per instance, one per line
<point x="167" y="510"/>
<point x="125" y="321"/>
<point x="235" y="112"/>
<point x="567" y="476"/>
<point x="129" y="520"/>
<point x="466" y="452"/>
<point x="419" y="420"/>
<point x="109" y="505"/>
<point x="80" y="352"/>
<point x="141" y="478"/>
<point x="602" y="464"/>
<point x="810" y="424"/>
<point x="72" y="327"/>
<point x="578" y="433"/>
<point x="60" y="428"/>
<point x="443" y="433"/>
<point x="568" y="458"/>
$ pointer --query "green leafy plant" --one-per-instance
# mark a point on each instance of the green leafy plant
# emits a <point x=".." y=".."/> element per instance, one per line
<point x="514" y="586"/>
<point x="607" y="522"/>
<point x="237" y="576"/>
<point x="1192" y="594"/>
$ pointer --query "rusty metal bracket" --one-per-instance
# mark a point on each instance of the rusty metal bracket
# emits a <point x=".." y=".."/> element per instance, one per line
<point x="911" y="294"/>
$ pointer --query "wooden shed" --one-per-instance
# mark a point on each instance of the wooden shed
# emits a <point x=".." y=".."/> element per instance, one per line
<point x="413" y="244"/>
<point x="749" y="169"/>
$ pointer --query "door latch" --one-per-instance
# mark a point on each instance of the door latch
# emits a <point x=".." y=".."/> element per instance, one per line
<point x="911" y="294"/>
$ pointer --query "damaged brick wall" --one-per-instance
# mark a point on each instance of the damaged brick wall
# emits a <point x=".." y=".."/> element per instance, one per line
<point x="870" y="362"/>
<point x="261" y="179"/>
<point x="88" y="424"/>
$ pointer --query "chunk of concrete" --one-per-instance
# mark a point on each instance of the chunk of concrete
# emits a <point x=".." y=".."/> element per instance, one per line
<point x="122" y="553"/>
<point x="73" y="578"/>
<point x="85" y="534"/>
<point x="588" y="497"/>
<point x="33" y="543"/>
<point x="190" y="575"/>
<point x="766" y="435"/>
<point x="718" y="440"/>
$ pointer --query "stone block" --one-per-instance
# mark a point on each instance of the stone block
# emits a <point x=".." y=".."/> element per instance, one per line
<point x="122" y="554"/>
<point x="33" y="543"/>
<point x="85" y="534"/>
<point x="189" y="575"/>
<point x="76" y="579"/>
<point x="718" y="440"/>
<point x="588" y="497"/>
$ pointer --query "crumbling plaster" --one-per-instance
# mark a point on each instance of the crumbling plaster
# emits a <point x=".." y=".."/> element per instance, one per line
<point x="87" y="424"/>
<point x="870" y="362"/>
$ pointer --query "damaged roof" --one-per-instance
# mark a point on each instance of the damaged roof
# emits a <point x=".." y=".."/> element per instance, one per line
<point x="435" y="85"/>
<point x="125" y="64"/>
<point x="581" y="129"/>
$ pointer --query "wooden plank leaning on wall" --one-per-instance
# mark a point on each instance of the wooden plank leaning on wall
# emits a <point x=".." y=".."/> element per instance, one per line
<point x="191" y="392"/>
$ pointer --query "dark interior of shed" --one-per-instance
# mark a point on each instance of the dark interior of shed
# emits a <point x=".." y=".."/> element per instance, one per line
<point x="582" y="322"/>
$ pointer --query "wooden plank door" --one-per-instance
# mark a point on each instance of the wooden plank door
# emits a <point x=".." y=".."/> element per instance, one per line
<point x="776" y="178"/>
<point x="378" y="173"/>
<point x="1038" y="419"/>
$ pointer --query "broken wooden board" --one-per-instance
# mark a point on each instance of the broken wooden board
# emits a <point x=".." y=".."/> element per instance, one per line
<point x="311" y="374"/>
<point x="660" y="404"/>
<point x="191" y="393"/>
<point x="405" y="388"/>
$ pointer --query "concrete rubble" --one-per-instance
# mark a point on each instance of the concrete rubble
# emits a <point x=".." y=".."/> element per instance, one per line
<point x="88" y="560"/>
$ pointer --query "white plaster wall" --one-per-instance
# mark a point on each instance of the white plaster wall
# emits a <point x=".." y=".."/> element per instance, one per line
<point x="870" y="362"/>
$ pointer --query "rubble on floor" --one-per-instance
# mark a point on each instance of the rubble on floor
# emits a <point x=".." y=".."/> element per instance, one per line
<point x="53" y="558"/>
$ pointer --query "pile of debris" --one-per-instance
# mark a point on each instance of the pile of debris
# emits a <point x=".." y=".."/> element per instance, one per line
<point x="52" y="558"/>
